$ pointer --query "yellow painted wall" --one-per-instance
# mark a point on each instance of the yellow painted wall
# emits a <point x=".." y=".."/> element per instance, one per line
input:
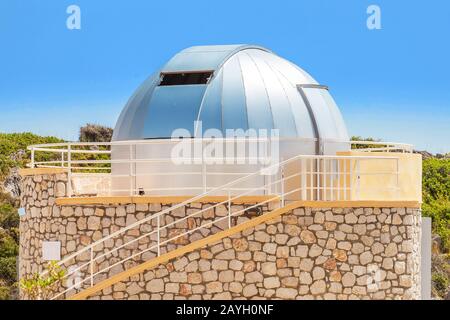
<point x="382" y="186"/>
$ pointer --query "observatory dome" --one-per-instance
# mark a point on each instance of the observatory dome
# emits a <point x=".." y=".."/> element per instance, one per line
<point x="230" y="87"/>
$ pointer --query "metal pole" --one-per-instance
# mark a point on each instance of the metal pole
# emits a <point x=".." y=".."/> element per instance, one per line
<point x="358" y="179"/>
<point x="397" y="178"/>
<point x="69" y="167"/>
<point x="229" y="209"/>
<point x="32" y="157"/>
<point x="131" y="169"/>
<point x="203" y="171"/>
<point x="282" y="186"/>
<point x="92" y="266"/>
<point x="158" y="235"/>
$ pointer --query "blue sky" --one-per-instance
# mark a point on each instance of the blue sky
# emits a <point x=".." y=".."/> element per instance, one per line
<point x="392" y="83"/>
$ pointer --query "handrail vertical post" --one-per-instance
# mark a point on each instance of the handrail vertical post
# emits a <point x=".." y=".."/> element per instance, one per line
<point x="69" y="170"/>
<point x="91" y="264"/>
<point x="203" y="172"/>
<point x="158" y="222"/>
<point x="32" y="157"/>
<point x="397" y="188"/>
<point x="131" y="168"/>
<point x="229" y="209"/>
<point x="282" y="186"/>
<point x="358" y="181"/>
<point x="62" y="159"/>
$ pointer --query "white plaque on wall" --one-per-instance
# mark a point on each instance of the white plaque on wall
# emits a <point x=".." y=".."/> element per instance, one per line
<point x="51" y="250"/>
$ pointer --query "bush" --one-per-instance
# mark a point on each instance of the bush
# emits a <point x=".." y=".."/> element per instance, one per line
<point x="9" y="218"/>
<point x="436" y="197"/>
<point x="95" y="133"/>
<point x="8" y="270"/>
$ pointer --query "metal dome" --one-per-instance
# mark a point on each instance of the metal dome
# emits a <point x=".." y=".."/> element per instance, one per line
<point x="231" y="87"/>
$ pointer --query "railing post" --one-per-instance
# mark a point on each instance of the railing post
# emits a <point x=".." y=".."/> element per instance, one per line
<point x="397" y="180"/>
<point x="317" y="179"/>
<point x="282" y="186"/>
<point x="158" y="234"/>
<point x="131" y="168"/>
<point x="203" y="172"/>
<point x="229" y="209"/>
<point x="91" y="264"/>
<point x="62" y="159"/>
<point x="32" y="157"/>
<point x="358" y="178"/>
<point x="69" y="168"/>
<point x="303" y="179"/>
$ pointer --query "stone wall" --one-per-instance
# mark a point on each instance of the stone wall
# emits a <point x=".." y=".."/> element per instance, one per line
<point x="77" y="226"/>
<point x="308" y="253"/>
<point x="350" y="253"/>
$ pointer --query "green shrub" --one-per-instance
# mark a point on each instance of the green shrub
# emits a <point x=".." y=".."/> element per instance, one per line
<point x="8" y="269"/>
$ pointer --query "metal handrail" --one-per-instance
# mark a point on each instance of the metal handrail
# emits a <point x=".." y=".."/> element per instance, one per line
<point x="228" y="186"/>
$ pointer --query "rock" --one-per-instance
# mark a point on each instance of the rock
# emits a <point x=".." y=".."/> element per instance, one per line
<point x="236" y="265"/>
<point x="286" y="293"/>
<point x="335" y="276"/>
<point x="307" y="236"/>
<point x="318" y="287"/>
<point x="60" y="189"/>
<point x="235" y="287"/>
<point x="254" y="277"/>
<point x="282" y="252"/>
<point x="214" y="287"/>
<point x="67" y="211"/>
<point x="134" y="288"/>
<point x="227" y="255"/>
<point x="330" y="264"/>
<point x="226" y="276"/>
<point x="340" y="255"/>
<point x="348" y="279"/>
<point x="240" y="244"/>
<point x="250" y="290"/>
<point x="302" y="251"/>
<point x="405" y="281"/>
<point x="271" y="282"/>
<point x="318" y="273"/>
<point x="210" y="276"/>
<point x="400" y="267"/>
<point x="71" y="228"/>
<point x="93" y="223"/>
<point x="269" y="268"/>
<point x="319" y="217"/>
<point x="315" y="251"/>
<point x="396" y="219"/>
<point x="81" y="223"/>
<point x="344" y="245"/>
<point x="350" y="218"/>
<point x="365" y="258"/>
<point x="262" y="236"/>
<point x="306" y="264"/>
<point x="291" y="282"/>
<point x="194" y="278"/>
<point x="377" y="248"/>
<point x="155" y="285"/>
<point x="391" y="250"/>
<point x="270" y="248"/>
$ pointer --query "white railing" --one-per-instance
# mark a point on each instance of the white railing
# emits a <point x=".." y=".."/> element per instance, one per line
<point x="298" y="178"/>
<point x="93" y="160"/>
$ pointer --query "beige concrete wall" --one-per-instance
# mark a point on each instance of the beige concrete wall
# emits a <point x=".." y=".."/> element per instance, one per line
<point x="381" y="186"/>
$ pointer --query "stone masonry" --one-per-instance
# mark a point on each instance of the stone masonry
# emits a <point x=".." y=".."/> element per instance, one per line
<point x="307" y="253"/>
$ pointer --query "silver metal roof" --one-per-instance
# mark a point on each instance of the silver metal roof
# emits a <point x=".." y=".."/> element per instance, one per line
<point x="251" y="87"/>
